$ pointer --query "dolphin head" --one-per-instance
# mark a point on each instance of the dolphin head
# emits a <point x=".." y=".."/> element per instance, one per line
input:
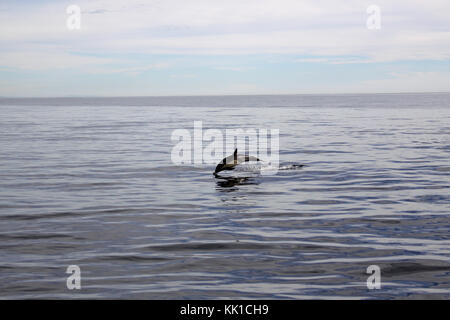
<point x="219" y="167"/>
<point x="227" y="163"/>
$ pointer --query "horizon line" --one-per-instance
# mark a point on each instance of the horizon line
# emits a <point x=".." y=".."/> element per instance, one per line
<point x="221" y="95"/>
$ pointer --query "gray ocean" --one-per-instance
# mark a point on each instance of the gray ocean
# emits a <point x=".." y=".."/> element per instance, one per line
<point x="90" y="182"/>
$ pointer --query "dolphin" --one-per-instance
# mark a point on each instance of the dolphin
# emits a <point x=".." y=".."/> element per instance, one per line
<point x="230" y="162"/>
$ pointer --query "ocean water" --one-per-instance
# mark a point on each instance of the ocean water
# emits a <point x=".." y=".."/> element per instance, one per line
<point x="90" y="182"/>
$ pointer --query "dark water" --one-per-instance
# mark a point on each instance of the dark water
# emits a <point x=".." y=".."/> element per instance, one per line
<point x="90" y="182"/>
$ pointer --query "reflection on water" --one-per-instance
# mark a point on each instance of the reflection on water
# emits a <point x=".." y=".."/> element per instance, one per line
<point x="90" y="182"/>
<point x="227" y="184"/>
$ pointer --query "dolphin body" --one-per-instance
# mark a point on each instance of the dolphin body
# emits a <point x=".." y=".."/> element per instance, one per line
<point x="230" y="162"/>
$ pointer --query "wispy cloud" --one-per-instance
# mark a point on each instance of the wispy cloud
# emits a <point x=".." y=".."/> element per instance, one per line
<point x="231" y="68"/>
<point x="183" y="76"/>
<point x="42" y="60"/>
<point x="409" y="29"/>
<point x="34" y="36"/>
<point x="136" y="70"/>
<point x="408" y="82"/>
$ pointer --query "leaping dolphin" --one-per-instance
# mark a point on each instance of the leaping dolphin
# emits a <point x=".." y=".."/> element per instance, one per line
<point x="230" y="162"/>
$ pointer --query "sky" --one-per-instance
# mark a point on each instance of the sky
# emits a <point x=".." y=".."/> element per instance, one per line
<point x="209" y="47"/>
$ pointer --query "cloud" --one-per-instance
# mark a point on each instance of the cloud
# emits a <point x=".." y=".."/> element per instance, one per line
<point x="230" y="68"/>
<point x="132" y="37"/>
<point x="334" y="60"/>
<point x="410" y="31"/>
<point x="48" y="60"/>
<point x="405" y="82"/>
<point x="131" y="70"/>
<point x="408" y="82"/>
<point x="183" y="76"/>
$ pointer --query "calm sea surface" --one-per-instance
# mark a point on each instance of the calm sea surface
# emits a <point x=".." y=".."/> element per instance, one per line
<point x="90" y="182"/>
